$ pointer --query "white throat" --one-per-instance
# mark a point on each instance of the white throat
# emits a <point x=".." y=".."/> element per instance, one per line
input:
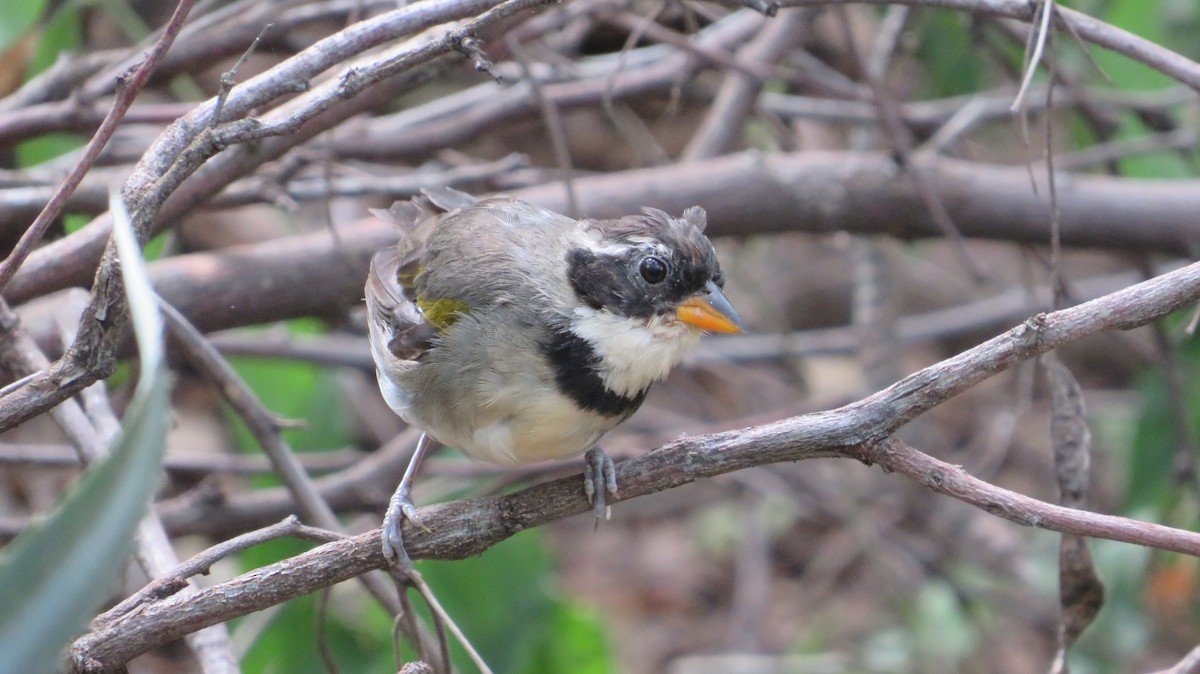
<point x="634" y="353"/>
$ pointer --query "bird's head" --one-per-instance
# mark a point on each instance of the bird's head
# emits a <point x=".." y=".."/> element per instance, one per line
<point x="654" y="267"/>
<point x="647" y="286"/>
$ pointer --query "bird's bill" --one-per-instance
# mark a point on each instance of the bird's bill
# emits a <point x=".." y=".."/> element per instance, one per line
<point x="710" y="311"/>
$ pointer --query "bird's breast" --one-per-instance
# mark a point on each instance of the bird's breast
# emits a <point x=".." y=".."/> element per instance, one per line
<point x="546" y="427"/>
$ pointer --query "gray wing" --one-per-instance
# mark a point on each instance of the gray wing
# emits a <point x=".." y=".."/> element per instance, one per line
<point x="500" y="252"/>
<point x="397" y="327"/>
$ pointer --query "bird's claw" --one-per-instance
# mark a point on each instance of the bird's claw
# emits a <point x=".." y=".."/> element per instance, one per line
<point x="599" y="479"/>
<point x="400" y="508"/>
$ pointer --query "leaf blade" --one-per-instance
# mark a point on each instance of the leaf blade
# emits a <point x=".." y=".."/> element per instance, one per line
<point x="54" y="576"/>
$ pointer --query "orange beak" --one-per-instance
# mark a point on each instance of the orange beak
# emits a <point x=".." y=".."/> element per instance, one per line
<point x="710" y="311"/>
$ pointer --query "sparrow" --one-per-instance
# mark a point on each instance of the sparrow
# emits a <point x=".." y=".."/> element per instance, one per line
<point x="517" y="334"/>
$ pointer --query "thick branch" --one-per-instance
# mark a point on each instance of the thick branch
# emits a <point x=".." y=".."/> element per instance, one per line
<point x="750" y="193"/>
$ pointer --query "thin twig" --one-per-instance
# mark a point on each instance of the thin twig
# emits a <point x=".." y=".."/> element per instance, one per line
<point x="199" y="564"/>
<point x="265" y="428"/>
<point x="444" y="618"/>
<point x="1046" y="13"/>
<point x="321" y="620"/>
<point x="229" y="77"/>
<point x="1056" y="284"/>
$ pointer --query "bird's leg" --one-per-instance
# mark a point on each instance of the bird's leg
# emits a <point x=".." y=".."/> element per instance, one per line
<point x="599" y="478"/>
<point x="400" y="507"/>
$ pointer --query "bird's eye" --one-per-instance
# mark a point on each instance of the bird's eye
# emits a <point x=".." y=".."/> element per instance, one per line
<point x="653" y="269"/>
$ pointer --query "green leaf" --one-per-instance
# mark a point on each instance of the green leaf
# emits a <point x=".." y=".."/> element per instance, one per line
<point x="19" y="17"/>
<point x="55" y="576"/>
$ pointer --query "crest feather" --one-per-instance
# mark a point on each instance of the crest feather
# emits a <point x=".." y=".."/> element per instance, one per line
<point x="697" y="217"/>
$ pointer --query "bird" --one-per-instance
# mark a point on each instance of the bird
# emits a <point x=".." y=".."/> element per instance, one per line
<point x="517" y="334"/>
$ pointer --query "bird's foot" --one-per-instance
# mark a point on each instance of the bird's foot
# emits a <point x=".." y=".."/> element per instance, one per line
<point x="400" y="507"/>
<point x="599" y="479"/>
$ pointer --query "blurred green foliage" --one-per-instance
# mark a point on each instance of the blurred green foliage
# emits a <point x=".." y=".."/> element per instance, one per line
<point x="1151" y="460"/>
<point x="508" y="602"/>
<point x="951" y="64"/>
<point x="1149" y="21"/>
<point x="19" y="17"/>
<point x="60" y="34"/>
<point x="295" y="391"/>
